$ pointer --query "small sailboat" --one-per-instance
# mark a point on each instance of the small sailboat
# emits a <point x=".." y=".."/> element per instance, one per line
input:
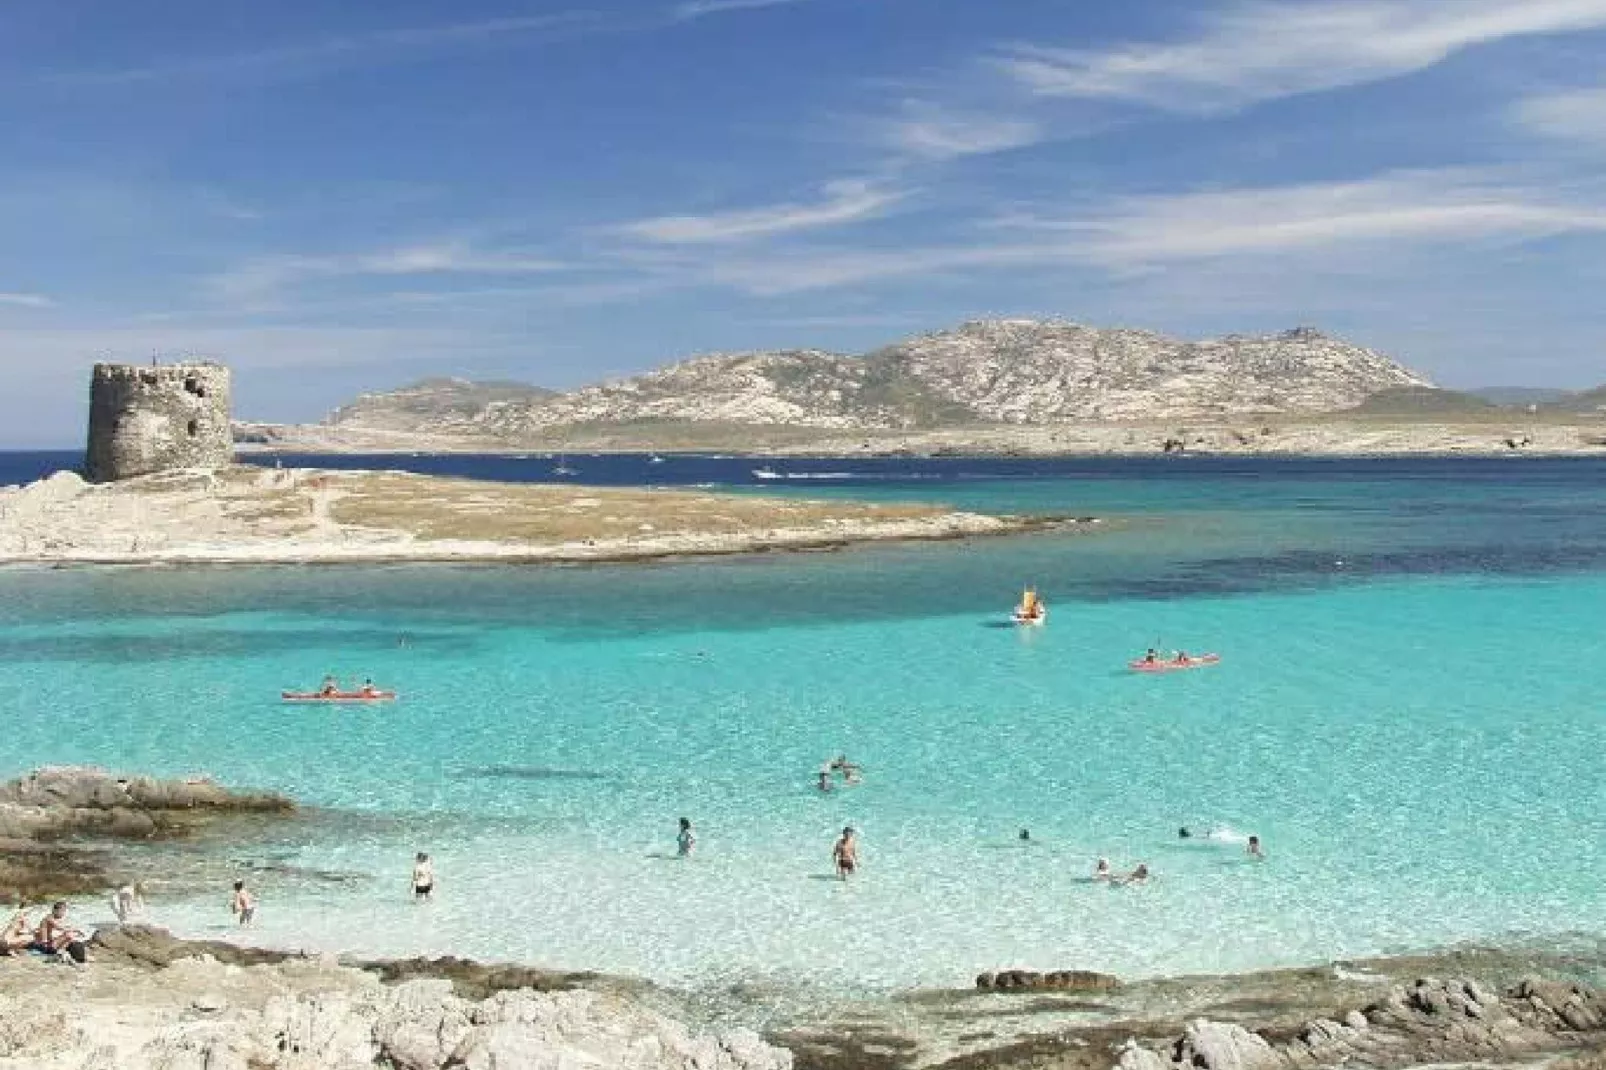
<point x="562" y="467"/>
<point x="1031" y="609"/>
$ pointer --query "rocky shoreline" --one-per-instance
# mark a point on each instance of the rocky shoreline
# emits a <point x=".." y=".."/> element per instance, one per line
<point x="147" y="1000"/>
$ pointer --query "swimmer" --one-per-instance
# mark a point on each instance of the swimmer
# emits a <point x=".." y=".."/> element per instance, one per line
<point x="423" y="882"/>
<point x="1139" y="875"/>
<point x="1025" y="836"/>
<point x="242" y="905"/>
<point x="825" y="781"/>
<point x="686" y="840"/>
<point x="1101" y="872"/>
<point x="1253" y="848"/>
<point x="845" y="855"/>
<point x="1184" y="834"/>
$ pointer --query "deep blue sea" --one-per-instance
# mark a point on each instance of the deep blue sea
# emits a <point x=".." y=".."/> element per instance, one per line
<point x="1410" y="710"/>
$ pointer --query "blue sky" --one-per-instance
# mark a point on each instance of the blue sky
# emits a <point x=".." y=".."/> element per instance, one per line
<point x="336" y="197"/>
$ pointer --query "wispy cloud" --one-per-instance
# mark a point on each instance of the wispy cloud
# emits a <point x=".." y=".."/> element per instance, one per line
<point x="1575" y="115"/>
<point x="26" y="300"/>
<point x="1262" y="51"/>
<point x="1400" y="210"/>
<point x="316" y="57"/>
<point x="263" y="277"/>
<point x="934" y="133"/>
<point x="696" y="9"/>
<point x="1397" y="208"/>
<point x="843" y="201"/>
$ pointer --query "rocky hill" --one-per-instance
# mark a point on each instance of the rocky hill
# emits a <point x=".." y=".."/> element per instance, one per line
<point x="1012" y="372"/>
<point x="441" y="405"/>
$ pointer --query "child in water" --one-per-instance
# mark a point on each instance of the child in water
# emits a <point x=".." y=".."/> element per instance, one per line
<point x="1253" y="848"/>
<point x="242" y="905"/>
<point x="423" y="877"/>
<point x="686" y="840"/>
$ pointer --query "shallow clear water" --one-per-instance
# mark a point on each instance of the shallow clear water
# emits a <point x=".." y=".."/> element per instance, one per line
<point x="1408" y="711"/>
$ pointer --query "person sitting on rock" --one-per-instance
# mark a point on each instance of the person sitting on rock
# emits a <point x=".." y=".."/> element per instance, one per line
<point x="55" y="936"/>
<point x="128" y="901"/>
<point x="18" y="934"/>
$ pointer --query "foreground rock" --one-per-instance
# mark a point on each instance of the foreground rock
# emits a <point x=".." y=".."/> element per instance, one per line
<point x="296" y="1014"/>
<point x="51" y="819"/>
<point x="248" y="514"/>
<point x="1428" y="1022"/>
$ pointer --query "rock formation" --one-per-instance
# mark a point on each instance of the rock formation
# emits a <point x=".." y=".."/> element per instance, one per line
<point x="991" y="372"/>
<point x="144" y="420"/>
<point x="51" y="805"/>
<point x="198" y="1013"/>
<point x="1432" y="1021"/>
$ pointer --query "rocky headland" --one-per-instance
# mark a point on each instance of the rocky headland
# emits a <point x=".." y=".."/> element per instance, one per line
<point x="247" y="514"/>
<point x="990" y="386"/>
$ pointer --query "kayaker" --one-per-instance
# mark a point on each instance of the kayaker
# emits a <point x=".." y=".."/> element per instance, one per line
<point x="368" y="688"/>
<point x="1152" y="657"/>
<point x="330" y="686"/>
<point x="1182" y="657"/>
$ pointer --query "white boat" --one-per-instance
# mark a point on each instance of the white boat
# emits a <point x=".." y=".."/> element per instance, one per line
<point x="766" y="473"/>
<point x="655" y="459"/>
<point x="562" y="468"/>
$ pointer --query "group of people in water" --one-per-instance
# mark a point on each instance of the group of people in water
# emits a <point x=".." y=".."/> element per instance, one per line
<point x="850" y="772"/>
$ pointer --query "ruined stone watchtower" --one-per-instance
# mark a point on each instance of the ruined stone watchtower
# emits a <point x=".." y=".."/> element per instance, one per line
<point x="150" y="419"/>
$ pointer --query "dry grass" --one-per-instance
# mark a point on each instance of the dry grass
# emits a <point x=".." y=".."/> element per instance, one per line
<point x="436" y="508"/>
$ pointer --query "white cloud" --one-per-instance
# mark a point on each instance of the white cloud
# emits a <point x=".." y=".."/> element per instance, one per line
<point x="26" y="300"/>
<point x="1266" y="50"/>
<point x="696" y="9"/>
<point x="1394" y="212"/>
<point x="844" y="201"/>
<point x="1576" y="115"/>
<point x="934" y="133"/>
<point x="1399" y="207"/>
<point x="313" y="57"/>
<point x="261" y="278"/>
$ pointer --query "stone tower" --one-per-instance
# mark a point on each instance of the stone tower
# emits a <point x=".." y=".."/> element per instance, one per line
<point x="150" y="419"/>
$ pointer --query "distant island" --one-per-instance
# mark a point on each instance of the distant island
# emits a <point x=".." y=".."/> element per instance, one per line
<point x="990" y="386"/>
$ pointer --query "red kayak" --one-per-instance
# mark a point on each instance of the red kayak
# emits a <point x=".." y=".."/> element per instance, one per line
<point x="1194" y="661"/>
<point x="338" y="696"/>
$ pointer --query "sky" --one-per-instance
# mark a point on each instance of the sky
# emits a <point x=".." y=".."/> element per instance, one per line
<point x="336" y="197"/>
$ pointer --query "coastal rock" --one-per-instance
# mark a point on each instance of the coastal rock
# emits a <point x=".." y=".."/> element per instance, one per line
<point x="1063" y="980"/>
<point x="1430" y="1021"/>
<point x="55" y="803"/>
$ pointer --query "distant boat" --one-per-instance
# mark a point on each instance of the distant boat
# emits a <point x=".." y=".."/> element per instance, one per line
<point x="655" y="459"/>
<point x="562" y="468"/>
<point x="767" y="473"/>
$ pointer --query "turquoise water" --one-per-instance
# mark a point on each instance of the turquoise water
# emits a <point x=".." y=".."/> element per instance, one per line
<point x="1409" y="712"/>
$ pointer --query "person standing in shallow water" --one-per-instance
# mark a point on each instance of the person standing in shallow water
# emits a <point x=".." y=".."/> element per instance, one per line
<point x="685" y="840"/>
<point x="845" y="855"/>
<point x="423" y="877"/>
<point x="242" y="905"/>
<point x="1253" y="848"/>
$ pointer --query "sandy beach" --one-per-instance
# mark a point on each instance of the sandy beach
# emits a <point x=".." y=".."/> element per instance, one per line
<point x="249" y="515"/>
